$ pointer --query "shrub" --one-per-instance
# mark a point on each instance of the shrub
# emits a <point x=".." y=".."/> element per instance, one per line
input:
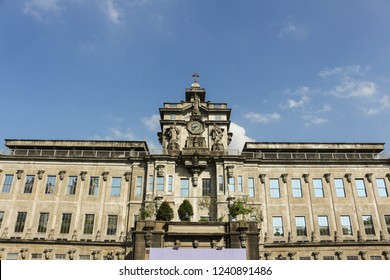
<point x="185" y="211"/>
<point x="164" y="212"/>
<point x="238" y="207"/>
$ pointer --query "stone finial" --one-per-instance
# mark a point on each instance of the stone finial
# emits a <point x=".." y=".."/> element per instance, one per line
<point x="284" y="177"/>
<point x="348" y="176"/>
<point x="262" y="178"/>
<point x="83" y="174"/>
<point x="98" y="236"/>
<point x="105" y="175"/>
<point x="306" y="177"/>
<point x="382" y="236"/>
<point x="28" y="234"/>
<point x="127" y="176"/>
<point x="360" y="236"/>
<point x="369" y="177"/>
<point x="327" y="177"/>
<point x="61" y="174"/>
<point x="40" y="174"/>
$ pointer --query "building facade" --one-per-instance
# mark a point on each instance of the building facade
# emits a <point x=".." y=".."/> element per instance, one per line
<point x="63" y="199"/>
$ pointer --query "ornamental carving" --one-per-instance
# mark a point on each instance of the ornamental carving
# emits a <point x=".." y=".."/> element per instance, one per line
<point x="216" y="136"/>
<point x="386" y="254"/>
<point x="127" y="176"/>
<point x="5" y="233"/>
<point x="19" y="174"/>
<point x="48" y="254"/>
<point x="61" y="174"/>
<point x="120" y="255"/>
<point x="160" y="170"/>
<point x="23" y="253"/>
<point x="382" y="236"/>
<point x="291" y="255"/>
<point x="1" y="253"/>
<point x="339" y="255"/>
<point x="83" y="174"/>
<point x="229" y="170"/>
<point x="349" y="177"/>
<point x="313" y="237"/>
<point x="110" y="256"/>
<point x="267" y="255"/>
<point x="75" y="235"/>
<point x="51" y="235"/>
<point x="262" y="178"/>
<point x="316" y="255"/>
<point x="327" y="177"/>
<point x="105" y="175"/>
<point x="284" y="177"/>
<point x="306" y="177"/>
<point x="369" y="177"/>
<point x="28" y="234"/>
<point x="40" y="174"/>
<point x="363" y="255"/>
<point x="172" y="135"/>
<point x="195" y="243"/>
<point x="95" y="254"/>
<point x="72" y="253"/>
<point x="388" y="176"/>
<point x="195" y="176"/>
<point x="98" y="236"/>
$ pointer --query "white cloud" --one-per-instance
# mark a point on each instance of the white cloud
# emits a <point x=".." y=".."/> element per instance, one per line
<point x="288" y="29"/>
<point x="381" y="104"/>
<point x="349" y="87"/>
<point x="38" y="8"/>
<point x="152" y="122"/>
<point x="112" y="11"/>
<point x="118" y="134"/>
<point x="262" y="118"/>
<point x="293" y="104"/>
<point x="239" y="137"/>
<point x="310" y="120"/>
<point x="350" y="70"/>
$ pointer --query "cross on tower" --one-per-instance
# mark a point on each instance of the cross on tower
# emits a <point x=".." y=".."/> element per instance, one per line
<point x="196" y="76"/>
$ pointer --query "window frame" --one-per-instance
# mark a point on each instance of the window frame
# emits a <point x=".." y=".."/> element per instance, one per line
<point x="206" y="186"/>
<point x="50" y="184"/>
<point x="42" y="222"/>
<point x="339" y="188"/>
<point x="276" y="226"/>
<point x="71" y="187"/>
<point x="138" y="186"/>
<point x="7" y="183"/>
<point x="251" y="187"/>
<point x="93" y="189"/>
<point x="361" y="190"/>
<point x="116" y="186"/>
<point x="368" y="224"/>
<point x="89" y="221"/>
<point x="112" y="227"/>
<point x="382" y="188"/>
<point x="184" y="187"/>
<point x="323" y="225"/>
<point x="300" y="226"/>
<point x="66" y="223"/>
<point x="296" y="188"/>
<point x="29" y="184"/>
<point x="20" y="221"/>
<point x="274" y="189"/>
<point x="318" y="188"/>
<point x="346" y="228"/>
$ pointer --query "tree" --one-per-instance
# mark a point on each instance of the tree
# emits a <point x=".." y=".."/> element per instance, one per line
<point x="164" y="212"/>
<point x="185" y="211"/>
<point x="238" y="207"/>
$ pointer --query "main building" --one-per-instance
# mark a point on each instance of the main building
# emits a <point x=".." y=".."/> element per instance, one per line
<point x="63" y="199"/>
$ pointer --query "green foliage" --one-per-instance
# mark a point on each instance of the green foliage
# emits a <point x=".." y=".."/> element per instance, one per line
<point x="164" y="212"/>
<point x="146" y="212"/>
<point x="185" y="211"/>
<point x="239" y="208"/>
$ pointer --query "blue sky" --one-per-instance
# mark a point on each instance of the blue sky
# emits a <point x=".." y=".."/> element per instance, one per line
<point x="308" y="71"/>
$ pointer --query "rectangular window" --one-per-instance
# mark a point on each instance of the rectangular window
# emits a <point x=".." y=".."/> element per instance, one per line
<point x="277" y="225"/>
<point x="274" y="188"/>
<point x="20" y="221"/>
<point x="71" y="187"/>
<point x="239" y="183"/>
<point x="368" y="224"/>
<point x="323" y="225"/>
<point x="112" y="224"/>
<point x="184" y="187"/>
<point x="381" y="185"/>
<point x="7" y="183"/>
<point x="231" y="184"/>
<point x="206" y="187"/>
<point x="84" y="257"/>
<point x="160" y="183"/>
<point x="60" y="256"/>
<point x="352" y="258"/>
<point x="116" y="183"/>
<point x="220" y="183"/>
<point x="387" y="221"/>
<point x="65" y="224"/>
<point x="12" y="256"/>
<point x="150" y="183"/>
<point x="50" y="183"/>
<point x="300" y="224"/>
<point x="28" y="186"/>
<point x="375" y="258"/>
<point x="328" y="258"/>
<point x="339" y="187"/>
<point x="1" y="217"/>
<point x="251" y="187"/>
<point x="138" y="186"/>
<point x="36" y="256"/>
<point x="93" y="186"/>
<point x="88" y="224"/>
<point x="346" y="225"/>
<point x="170" y="183"/>
<point x="360" y="187"/>
<point x="42" y="223"/>
<point x="296" y="187"/>
<point x="318" y="189"/>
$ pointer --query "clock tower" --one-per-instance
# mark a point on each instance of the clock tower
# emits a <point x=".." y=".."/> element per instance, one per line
<point x="195" y="126"/>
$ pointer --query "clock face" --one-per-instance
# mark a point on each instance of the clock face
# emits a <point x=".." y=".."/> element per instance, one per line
<point x="195" y="127"/>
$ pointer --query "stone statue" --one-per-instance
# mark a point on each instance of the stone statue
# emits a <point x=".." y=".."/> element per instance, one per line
<point x="216" y="136"/>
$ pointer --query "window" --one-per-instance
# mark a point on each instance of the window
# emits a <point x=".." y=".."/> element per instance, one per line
<point x="375" y="258"/>
<point x="111" y="224"/>
<point x="296" y="187"/>
<point x="138" y="186"/>
<point x="368" y="224"/>
<point x="239" y="183"/>
<point x="251" y="187"/>
<point x="206" y="187"/>
<point x="360" y="187"/>
<point x="328" y="258"/>
<point x="352" y="258"/>
<point x="42" y="223"/>
<point x="65" y="224"/>
<point x="7" y="183"/>
<point x="381" y="185"/>
<point x="150" y="183"/>
<point x="318" y="189"/>
<point x="220" y="183"/>
<point x="88" y="224"/>
<point x="84" y="257"/>
<point x="60" y="256"/>
<point x="339" y="186"/>
<point x="50" y="183"/>
<point x="93" y="186"/>
<point x="12" y="256"/>
<point x="116" y="186"/>
<point x="387" y="221"/>
<point x="184" y="187"/>
<point x="277" y="224"/>
<point x="20" y="221"/>
<point x="1" y="217"/>
<point x="346" y="225"/>
<point x="71" y="187"/>
<point x="305" y="258"/>
<point x="231" y="184"/>
<point x="170" y="183"/>
<point x="274" y="187"/>
<point x="28" y="186"/>
<point x="300" y="224"/>
<point x="160" y="183"/>
<point x="323" y="225"/>
<point x="36" y="256"/>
